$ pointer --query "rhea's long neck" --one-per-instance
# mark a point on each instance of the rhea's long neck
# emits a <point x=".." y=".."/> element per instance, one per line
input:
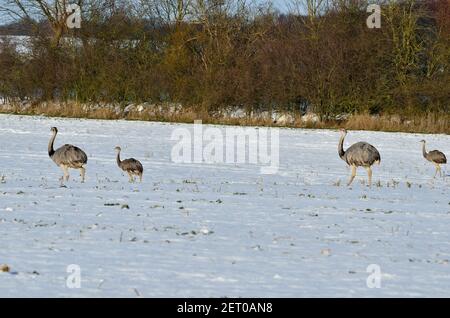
<point x="424" y="152"/>
<point x="341" y="146"/>
<point x="118" y="158"/>
<point x="51" y="151"/>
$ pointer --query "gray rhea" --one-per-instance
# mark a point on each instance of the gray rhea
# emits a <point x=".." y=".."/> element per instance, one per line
<point x="360" y="154"/>
<point x="131" y="166"/>
<point x="435" y="156"/>
<point x="67" y="156"/>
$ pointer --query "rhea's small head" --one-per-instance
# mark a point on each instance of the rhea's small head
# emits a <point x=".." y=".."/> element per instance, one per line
<point x="343" y="131"/>
<point x="423" y="141"/>
<point x="117" y="149"/>
<point x="54" y="130"/>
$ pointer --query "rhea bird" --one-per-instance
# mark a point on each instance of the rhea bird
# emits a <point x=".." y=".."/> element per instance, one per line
<point x="67" y="156"/>
<point x="131" y="166"/>
<point x="360" y="154"/>
<point x="435" y="156"/>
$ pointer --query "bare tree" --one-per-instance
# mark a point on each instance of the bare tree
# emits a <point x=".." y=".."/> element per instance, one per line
<point x="53" y="11"/>
<point x="167" y="11"/>
<point x="403" y="22"/>
<point x="310" y="11"/>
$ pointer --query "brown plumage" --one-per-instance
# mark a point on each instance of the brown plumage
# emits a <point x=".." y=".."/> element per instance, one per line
<point x="131" y="166"/>
<point x="67" y="156"/>
<point x="360" y="154"/>
<point x="435" y="156"/>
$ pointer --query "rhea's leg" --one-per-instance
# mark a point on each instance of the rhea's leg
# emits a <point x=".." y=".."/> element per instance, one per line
<point x="140" y="177"/>
<point x="440" y="171"/>
<point x="82" y="173"/>
<point x="352" y="176"/>
<point x="130" y="177"/>
<point x="369" y="174"/>
<point x="66" y="172"/>
<point x="61" y="180"/>
<point x="437" y="169"/>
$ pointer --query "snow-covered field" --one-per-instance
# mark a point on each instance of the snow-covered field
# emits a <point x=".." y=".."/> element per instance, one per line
<point x="22" y="43"/>
<point x="202" y="230"/>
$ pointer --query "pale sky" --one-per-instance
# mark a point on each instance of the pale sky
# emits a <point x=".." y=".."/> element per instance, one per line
<point x="278" y="4"/>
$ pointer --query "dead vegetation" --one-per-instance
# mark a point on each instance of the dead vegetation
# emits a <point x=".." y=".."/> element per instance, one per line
<point x="431" y="123"/>
<point x="247" y="56"/>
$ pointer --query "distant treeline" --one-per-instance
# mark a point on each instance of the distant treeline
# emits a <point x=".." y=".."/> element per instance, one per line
<point x="211" y="54"/>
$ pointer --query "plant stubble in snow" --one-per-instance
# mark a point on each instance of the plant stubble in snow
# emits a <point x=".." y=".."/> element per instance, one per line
<point x="196" y="230"/>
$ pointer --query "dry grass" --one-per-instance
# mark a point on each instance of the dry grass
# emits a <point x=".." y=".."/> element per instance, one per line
<point x="431" y="123"/>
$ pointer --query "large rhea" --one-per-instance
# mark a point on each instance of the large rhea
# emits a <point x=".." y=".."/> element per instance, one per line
<point x="131" y="166"/>
<point x="67" y="156"/>
<point x="360" y="154"/>
<point x="435" y="156"/>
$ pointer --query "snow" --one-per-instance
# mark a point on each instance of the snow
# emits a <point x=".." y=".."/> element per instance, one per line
<point x="213" y="230"/>
<point x="22" y="43"/>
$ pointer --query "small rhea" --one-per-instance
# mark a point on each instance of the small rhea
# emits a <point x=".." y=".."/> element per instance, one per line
<point x="360" y="154"/>
<point x="131" y="166"/>
<point x="435" y="156"/>
<point x="67" y="156"/>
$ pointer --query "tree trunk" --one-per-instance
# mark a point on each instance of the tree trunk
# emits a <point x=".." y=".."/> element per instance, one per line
<point x="58" y="31"/>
